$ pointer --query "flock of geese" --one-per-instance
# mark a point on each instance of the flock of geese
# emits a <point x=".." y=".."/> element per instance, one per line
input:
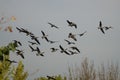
<point x="34" y="42"/>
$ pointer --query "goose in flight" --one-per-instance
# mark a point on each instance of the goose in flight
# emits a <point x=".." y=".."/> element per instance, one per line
<point x="51" y="78"/>
<point x="69" y="42"/>
<point x="82" y="33"/>
<point x="11" y="61"/>
<point x="75" y="48"/>
<point x="52" y="25"/>
<point x="24" y="31"/>
<point x="32" y="43"/>
<point x="72" y="53"/>
<point x="52" y="41"/>
<point x="20" y="30"/>
<point x="44" y="36"/>
<point x="54" y="49"/>
<point x="72" y="36"/>
<point x="17" y="43"/>
<point x="63" y="50"/>
<point x="35" y="38"/>
<point x="32" y="48"/>
<point x="106" y="27"/>
<point x="71" y="24"/>
<point x="39" y="52"/>
<point x="20" y="52"/>
<point x="100" y="27"/>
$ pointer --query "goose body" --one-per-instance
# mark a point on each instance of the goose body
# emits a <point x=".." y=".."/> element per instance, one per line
<point x="71" y="24"/>
<point x="75" y="48"/>
<point x="20" y="52"/>
<point x="100" y="27"/>
<point x="69" y="42"/>
<point x="63" y="50"/>
<point x="72" y="36"/>
<point x="52" y="25"/>
<point x="44" y="36"/>
<point x="54" y="49"/>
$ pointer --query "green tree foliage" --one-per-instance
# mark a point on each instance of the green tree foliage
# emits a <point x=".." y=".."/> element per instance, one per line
<point x="7" y="72"/>
<point x="5" y="50"/>
<point x="19" y="73"/>
<point x="5" y="65"/>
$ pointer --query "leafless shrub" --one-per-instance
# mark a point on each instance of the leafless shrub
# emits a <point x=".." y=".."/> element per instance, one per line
<point x="87" y="71"/>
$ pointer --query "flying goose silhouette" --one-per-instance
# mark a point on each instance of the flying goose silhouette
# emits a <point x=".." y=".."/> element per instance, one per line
<point x="52" y="25"/>
<point x="24" y="31"/>
<point x="82" y="33"/>
<point x="17" y="43"/>
<point x="32" y="48"/>
<point x="44" y="36"/>
<point x="69" y="42"/>
<point x="39" y="52"/>
<point x="75" y="48"/>
<point x="72" y="53"/>
<point x="100" y="27"/>
<point x="63" y="50"/>
<point x="19" y="29"/>
<point x="11" y="61"/>
<point x="51" y="78"/>
<point x="52" y="41"/>
<point x="35" y="38"/>
<point x="20" y="52"/>
<point x="71" y="24"/>
<point x="54" y="49"/>
<point x="72" y="36"/>
<point x="32" y="43"/>
<point x="106" y="27"/>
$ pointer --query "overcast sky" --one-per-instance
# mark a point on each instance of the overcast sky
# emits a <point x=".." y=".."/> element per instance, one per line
<point x="34" y="16"/>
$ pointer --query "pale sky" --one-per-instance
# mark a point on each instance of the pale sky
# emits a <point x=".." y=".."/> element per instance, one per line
<point x="34" y="16"/>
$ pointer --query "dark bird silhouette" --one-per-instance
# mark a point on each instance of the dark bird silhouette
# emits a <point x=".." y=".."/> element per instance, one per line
<point x="100" y="27"/>
<point x="52" y="41"/>
<point x="19" y="29"/>
<point x="106" y="27"/>
<point x="32" y="43"/>
<point x="69" y="42"/>
<point x="52" y="25"/>
<point x="71" y="24"/>
<point x="17" y="43"/>
<point x="51" y="78"/>
<point x="32" y="48"/>
<point x="11" y="61"/>
<point x="75" y="48"/>
<point x="44" y="36"/>
<point x="47" y="40"/>
<point x="63" y="50"/>
<point x="72" y="36"/>
<point x="54" y="49"/>
<point x="28" y="33"/>
<point x="37" y="40"/>
<point x="20" y="52"/>
<point x="82" y="33"/>
<point x="39" y="52"/>
<point x="72" y="53"/>
<point x="33" y="37"/>
<point x="24" y="31"/>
